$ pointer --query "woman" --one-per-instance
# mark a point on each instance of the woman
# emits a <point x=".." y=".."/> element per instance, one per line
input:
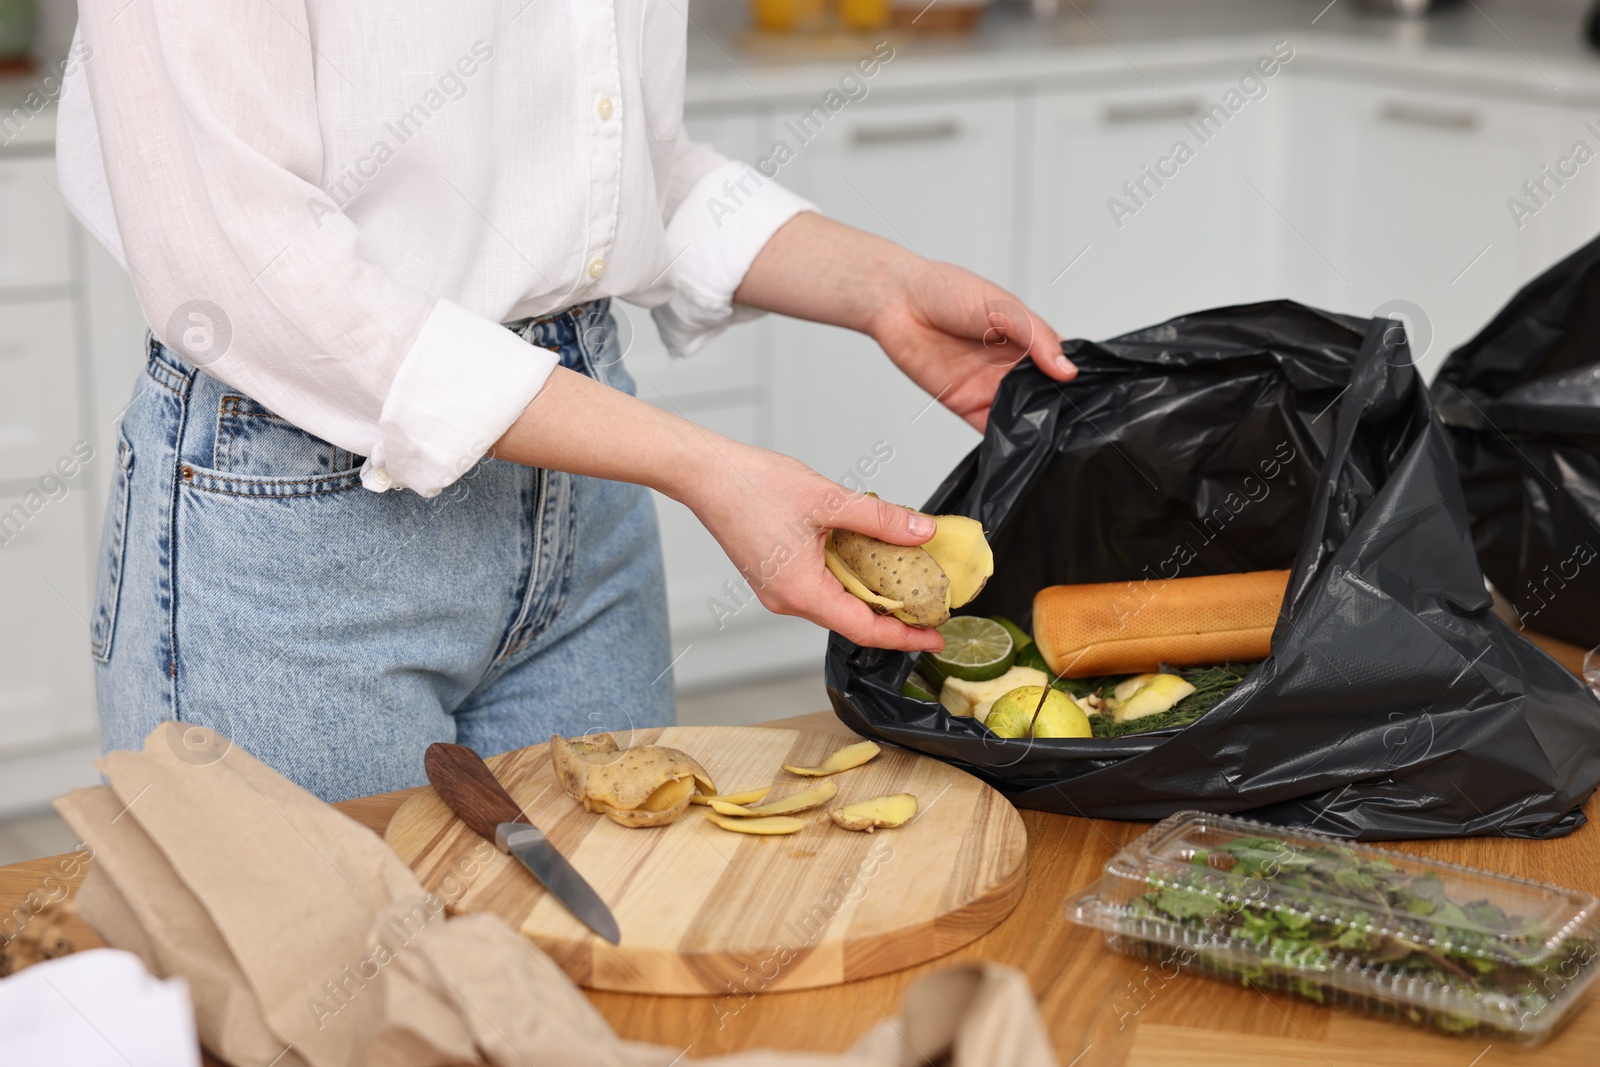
<point x="382" y="482"/>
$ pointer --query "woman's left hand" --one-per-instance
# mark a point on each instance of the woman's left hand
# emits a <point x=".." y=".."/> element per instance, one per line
<point x="950" y="331"/>
<point x="956" y="335"/>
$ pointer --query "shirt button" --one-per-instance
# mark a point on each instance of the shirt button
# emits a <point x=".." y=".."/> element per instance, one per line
<point x="597" y="267"/>
<point x="380" y="477"/>
<point x="603" y="108"/>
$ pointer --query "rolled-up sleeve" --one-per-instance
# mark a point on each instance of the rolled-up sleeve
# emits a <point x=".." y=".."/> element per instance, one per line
<point x="720" y="214"/>
<point x="207" y="126"/>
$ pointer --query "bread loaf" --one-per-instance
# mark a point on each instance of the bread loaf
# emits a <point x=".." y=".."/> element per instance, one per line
<point x="1132" y="627"/>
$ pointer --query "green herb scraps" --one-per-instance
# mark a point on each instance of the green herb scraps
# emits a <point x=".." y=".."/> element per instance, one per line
<point x="1211" y="686"/>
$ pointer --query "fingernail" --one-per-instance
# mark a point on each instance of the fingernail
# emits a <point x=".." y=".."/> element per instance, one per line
<point x="921" y="525"/>
<point x="1065" y="364"/>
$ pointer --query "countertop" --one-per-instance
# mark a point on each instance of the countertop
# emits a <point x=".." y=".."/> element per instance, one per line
<point x="1530" y="48"/>
<point x="1101" y="1008"/>
<point x="1533" y="46"/>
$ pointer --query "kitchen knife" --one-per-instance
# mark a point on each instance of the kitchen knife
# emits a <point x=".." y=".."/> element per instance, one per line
<point x="470" y="789"/>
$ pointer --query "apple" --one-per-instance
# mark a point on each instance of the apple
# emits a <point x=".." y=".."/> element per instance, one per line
<point x="1013" y="714"/>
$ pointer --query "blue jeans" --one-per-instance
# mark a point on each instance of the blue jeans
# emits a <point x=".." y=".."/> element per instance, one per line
<point x="250" y="584"/>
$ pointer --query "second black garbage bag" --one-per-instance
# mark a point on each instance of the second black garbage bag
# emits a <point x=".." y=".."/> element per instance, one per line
<point x="1394" y="704"/>
<point x="1522" y="402"/>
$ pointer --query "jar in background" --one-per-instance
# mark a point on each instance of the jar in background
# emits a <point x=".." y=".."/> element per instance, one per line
<point x="19" y="25"/>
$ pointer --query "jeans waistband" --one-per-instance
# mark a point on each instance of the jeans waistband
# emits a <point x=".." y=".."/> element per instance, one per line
<point x="563" y="330"/>
<point x="560" y="331"/>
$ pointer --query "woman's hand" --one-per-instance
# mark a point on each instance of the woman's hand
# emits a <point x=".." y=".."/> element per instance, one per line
<point x="952" y="332"/>
<point x="956" y="335"/>
<point x="771" y="515"/>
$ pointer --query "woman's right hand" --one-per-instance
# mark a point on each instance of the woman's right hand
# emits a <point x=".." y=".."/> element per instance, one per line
<point x="771" y="514"/>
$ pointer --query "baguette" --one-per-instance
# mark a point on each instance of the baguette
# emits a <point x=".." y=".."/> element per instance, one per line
<point x="1133" y="627"/>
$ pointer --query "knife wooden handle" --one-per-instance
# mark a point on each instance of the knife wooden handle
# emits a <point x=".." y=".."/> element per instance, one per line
<point x="471" y="790"/>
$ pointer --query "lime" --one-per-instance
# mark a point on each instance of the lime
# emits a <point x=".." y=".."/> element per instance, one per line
<point x="919" y="688"/>
<point x="1018" y="637"/>
<point x="975" y="649"/>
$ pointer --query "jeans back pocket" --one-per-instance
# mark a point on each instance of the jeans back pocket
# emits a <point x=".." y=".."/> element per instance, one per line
<point x="113" y="551"/>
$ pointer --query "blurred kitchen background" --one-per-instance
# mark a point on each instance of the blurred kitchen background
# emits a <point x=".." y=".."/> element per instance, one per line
<point x="1419" y="167"/>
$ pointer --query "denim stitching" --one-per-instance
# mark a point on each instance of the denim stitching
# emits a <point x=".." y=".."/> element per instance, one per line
<point x="160" y="373"/>
<point x="511" y="640"/>
<point x="171" y="568"/>
<point x="108" y="605"/>
<point x="271" y="488"/>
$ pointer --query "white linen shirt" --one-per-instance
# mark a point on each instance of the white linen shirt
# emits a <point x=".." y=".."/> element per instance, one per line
<point x="331" y="206"/>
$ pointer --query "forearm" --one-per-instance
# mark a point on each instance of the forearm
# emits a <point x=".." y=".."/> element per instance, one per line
<point x="578" y="425"/>
<point x="818" y="269"/>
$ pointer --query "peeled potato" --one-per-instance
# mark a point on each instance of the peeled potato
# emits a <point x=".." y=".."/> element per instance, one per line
<point x="749" y="796"/>
<point x="962" y="552"/>
<point x="772" y="824"/>
<point x="901" y="573"/>
<point x="877" y="813"/>
<point x="811" y="797"/>
<point x="843" y="760"/>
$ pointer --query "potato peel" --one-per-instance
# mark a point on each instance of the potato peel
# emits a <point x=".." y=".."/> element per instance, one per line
<point x="844" y="759"/>
<point x="879" y="813"/>
<point x="771" y="824"/>
<point x="905" y="574"/>
<point x="963" y="553"/>
<point x="648" y="785"/>
<point x="811" y="797"/>
<point x="855" y="586"/>
<point x="749" y="796"/>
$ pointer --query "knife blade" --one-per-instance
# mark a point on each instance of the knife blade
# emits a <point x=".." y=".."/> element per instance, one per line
<point x="470" y="789"/>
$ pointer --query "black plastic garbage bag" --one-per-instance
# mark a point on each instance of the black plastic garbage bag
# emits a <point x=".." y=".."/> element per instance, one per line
<point x="1394" y="704"/>
<point x="1522" y="403"/>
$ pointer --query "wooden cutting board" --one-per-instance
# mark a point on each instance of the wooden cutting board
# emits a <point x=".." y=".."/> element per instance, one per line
<point x="705" y="911"/>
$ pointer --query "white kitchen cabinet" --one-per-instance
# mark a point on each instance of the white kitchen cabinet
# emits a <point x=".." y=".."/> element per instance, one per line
<point x="46" y="688"/>
<point x="1405" y="191"/>
<point x="1113" y="244"/>
<point x="38" y="387"/>
<point x="35" y="242"/>
<point x="939" y="178"/>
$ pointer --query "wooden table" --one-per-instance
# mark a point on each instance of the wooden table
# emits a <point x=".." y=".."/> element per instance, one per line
<point x="1100" y="1007"/>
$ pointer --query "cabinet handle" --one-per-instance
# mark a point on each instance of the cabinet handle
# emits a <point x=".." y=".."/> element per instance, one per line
<point x="942" y="130"/>
<point x="1435" y="118"/>
<point x="1129" y="114"/>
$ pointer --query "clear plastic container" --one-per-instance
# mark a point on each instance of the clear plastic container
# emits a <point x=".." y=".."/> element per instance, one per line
<point x="1461" y="950"/>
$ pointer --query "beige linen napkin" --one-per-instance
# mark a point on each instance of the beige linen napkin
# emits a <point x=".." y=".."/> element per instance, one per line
<point x="308" y="943"/>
